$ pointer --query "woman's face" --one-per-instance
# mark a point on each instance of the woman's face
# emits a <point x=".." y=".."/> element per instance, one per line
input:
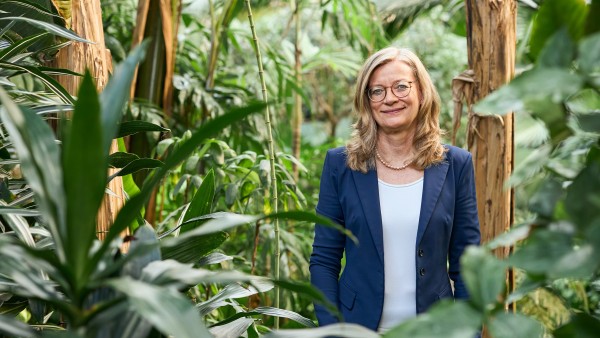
<point x="394" y="114"/>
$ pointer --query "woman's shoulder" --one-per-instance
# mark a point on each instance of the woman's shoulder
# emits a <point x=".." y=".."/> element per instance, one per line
<point x="337" y="156"/>
<point x="457" y="155"/>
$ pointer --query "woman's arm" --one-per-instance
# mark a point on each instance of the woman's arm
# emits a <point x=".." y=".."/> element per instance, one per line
<point x="328" y="246"/>
<point x="465" y="230"/>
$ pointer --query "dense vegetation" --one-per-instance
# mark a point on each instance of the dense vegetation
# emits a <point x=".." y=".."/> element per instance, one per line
<point x="204" y="254"/>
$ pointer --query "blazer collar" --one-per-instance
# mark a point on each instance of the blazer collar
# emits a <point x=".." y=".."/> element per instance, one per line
<point x="368" y="193"/>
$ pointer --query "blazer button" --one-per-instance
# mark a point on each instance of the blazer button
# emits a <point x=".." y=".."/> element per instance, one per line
<point x="420" y="252"/>
<point x="422" y="271"/>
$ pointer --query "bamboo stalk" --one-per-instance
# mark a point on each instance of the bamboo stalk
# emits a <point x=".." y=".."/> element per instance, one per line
<point x="271" y="153"/>
<point x="297" y="132"/>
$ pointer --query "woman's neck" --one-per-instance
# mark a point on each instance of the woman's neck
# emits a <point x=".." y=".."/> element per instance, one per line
<point x="399" y="146"/>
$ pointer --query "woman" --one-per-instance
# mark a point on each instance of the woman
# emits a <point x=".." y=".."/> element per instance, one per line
<point x="408" y="199"/>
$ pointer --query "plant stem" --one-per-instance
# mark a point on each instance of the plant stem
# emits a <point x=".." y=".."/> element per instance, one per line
<point x="271" y="153"/>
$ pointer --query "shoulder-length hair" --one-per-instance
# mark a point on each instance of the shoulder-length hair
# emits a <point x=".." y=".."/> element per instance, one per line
<point x="427" y="141"/>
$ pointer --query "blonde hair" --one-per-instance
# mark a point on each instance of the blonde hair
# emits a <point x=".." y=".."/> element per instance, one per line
<point x="427" y="141"/>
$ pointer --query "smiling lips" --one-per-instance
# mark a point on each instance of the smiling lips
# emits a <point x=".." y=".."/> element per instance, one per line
<point x="391" y="111"/>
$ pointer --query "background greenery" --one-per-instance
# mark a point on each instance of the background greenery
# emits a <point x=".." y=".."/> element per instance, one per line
<point x="203" y="267"/>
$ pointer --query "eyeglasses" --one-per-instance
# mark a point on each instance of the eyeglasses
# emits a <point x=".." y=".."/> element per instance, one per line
<point x="400" y="89"/>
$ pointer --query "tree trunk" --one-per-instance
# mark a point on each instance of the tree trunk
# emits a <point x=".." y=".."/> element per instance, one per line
<point x="491" y="38"/>
<point x="159" y="21"/>
<point x="86" y="21"/>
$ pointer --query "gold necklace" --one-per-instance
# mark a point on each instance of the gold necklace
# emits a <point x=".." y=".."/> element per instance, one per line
<point x="386" y="164"/>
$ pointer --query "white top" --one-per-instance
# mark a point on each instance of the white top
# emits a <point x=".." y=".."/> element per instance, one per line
<point x="400" y="209"/>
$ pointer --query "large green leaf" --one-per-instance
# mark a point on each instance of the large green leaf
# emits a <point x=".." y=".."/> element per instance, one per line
<point x="85" y="166"/>
<point x="531" y="89"/>
<point x="192" y="249"/>
<point x="541" y="251"/>
<point x="39" y="154"/>
<point x="168" y="310"/>
<point x="514" y="325"/>
<point x="484" y="276"/>
<point x="341" y="330"/>
<point x="202" y="201"/>
<point x="116" y="94"/>
<point x="554" y="15"/>
<point x="445" y="319"/>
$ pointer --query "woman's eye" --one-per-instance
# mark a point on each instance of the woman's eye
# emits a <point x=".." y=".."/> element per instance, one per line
<point x="401" y="87"/>
<point x="376" y="91"/>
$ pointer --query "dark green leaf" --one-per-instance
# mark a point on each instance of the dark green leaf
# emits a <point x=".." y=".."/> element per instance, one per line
<point x="581" y="325"/>
<point x="201" y="202"/>
<point x="586" y="101"/>
<point x="137" y="165"/>
<point x="514" y="325"/>
<point x="133" y="127"/>
<point x="541" y="251"/>
<point x="554" y="15"/>
<point x="191" y="249"/>
<point x="543" y="201"/>
<point x="121" y="159"/>
<point x="85" y="167"/>
<point x="589" y="122"/>
<point x="484" y="276"/>
<point x="582" y="201"/>
<point x="559" y="50"/>
<point x="116" y="93"/>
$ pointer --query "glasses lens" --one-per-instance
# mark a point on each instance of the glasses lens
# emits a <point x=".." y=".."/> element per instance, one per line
<point x="376" y="94"/>
<point x="401" y="88"/>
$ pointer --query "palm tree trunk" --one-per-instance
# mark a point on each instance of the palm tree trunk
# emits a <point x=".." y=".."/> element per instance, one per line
<point x="491" y="38"/>
<point x="86" y="21"/>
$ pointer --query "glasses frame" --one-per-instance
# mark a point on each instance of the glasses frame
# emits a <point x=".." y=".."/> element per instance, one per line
<point x="386" y="91"/>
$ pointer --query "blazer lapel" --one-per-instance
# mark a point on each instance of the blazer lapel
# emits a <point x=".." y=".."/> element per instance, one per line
<point x="368" y="193"/>
<point x="432" y="186"/>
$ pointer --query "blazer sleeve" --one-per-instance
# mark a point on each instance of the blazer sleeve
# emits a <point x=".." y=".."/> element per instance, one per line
<point x="328" y="245"/>
<point x="465" y="230"/>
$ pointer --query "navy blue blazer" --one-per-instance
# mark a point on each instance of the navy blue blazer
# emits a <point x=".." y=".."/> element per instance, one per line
<point x="448" y="222"/>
